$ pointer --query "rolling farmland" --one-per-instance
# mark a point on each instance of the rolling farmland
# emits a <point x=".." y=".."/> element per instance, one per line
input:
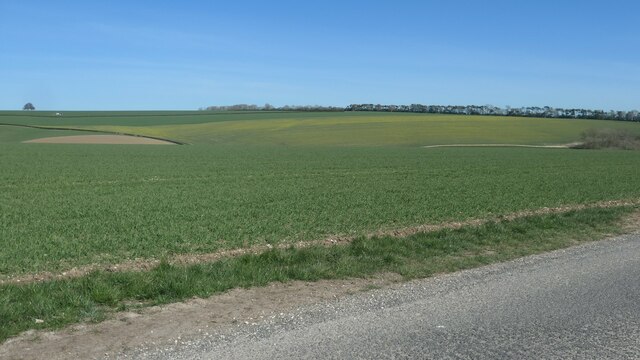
<point x="324" y="129"/>
<point x="238" y="185"/>
<point x="268" y="179"/>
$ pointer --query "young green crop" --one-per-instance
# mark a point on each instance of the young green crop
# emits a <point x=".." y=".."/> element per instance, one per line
<point x="279" y="178"/>
<point x="348" y="129"/>
<point x="326" y="129"/>
<point x="68" y="205"/>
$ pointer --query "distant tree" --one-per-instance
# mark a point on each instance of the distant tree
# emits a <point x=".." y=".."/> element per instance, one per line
<point x="28" y="106"/>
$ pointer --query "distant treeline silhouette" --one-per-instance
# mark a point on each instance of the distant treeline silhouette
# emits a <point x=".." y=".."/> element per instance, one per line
<point x="544" y="112"/>
<point x="268" y="107"/>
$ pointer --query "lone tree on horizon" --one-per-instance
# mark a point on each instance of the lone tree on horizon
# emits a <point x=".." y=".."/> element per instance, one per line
<point x="28" y="106"/>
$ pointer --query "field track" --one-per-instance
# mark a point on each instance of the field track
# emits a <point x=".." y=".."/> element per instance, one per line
<point x="191" y="259"/>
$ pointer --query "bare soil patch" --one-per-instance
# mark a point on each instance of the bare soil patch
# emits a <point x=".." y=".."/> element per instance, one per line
<point x="631" y="223"/>
<point x="166" y="325"/>
<point x="100" y="139"/>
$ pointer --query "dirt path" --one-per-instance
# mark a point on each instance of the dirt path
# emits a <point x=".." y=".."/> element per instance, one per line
<point x="189" y="259"/>
<point x="170" y="324"/>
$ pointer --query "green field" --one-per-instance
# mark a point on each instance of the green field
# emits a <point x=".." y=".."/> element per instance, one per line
<point x="257" y="178"/>
<point x="324" y="129"/>
<point x="263" y="178"/>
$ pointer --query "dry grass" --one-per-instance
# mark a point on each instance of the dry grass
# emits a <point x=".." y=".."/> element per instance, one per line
<point x="610" y="139"/>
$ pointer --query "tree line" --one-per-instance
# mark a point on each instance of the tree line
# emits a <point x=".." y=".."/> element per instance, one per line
<point x="534" y="111"/>
<point x="269" y="107"/>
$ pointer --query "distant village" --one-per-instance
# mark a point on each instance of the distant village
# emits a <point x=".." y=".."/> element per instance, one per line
<point x="543" y="112"/>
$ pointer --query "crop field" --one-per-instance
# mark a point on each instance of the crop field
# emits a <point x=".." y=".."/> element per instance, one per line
<point x="255" y="179"/>
<point x="324" y="129"/>
<point x="67" y="205"/>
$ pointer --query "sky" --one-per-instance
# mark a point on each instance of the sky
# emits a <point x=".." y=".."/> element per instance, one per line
<point x="161" y="55"/>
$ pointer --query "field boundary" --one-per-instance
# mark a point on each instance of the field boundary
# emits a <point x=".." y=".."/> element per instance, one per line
<point x="40" y="127"/>
<point x="138" y="265"/>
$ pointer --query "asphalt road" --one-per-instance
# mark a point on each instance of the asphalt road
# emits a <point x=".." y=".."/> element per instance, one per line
<point x="579" y="303"/>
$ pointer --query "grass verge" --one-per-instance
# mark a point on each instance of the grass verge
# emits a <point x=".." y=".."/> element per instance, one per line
<point x="93" y="297"/>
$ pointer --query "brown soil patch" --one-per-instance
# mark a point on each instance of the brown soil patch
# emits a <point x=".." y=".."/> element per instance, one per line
<point x="100" y="139"/>
<point x="166" y="325"/>
<point x="631" y="224"/>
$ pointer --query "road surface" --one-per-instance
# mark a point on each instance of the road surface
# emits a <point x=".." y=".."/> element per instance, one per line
<point x="579" y="303"/>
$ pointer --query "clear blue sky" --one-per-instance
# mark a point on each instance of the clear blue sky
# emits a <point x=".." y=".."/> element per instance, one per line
<point x="141" y="54"/>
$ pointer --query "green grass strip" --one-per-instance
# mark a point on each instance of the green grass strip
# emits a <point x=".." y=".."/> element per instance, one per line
<point x="95" y="296"/>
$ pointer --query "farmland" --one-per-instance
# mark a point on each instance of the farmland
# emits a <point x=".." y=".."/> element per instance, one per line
<point x="324" y="129"/>
<point x="238" y="185"/>
<point x="254" y="179"/>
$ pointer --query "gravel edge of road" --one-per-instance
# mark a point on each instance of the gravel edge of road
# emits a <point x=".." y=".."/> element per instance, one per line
<point x="350" y="305"/>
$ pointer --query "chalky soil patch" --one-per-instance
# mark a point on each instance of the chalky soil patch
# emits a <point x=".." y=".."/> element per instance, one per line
<point x="100" y="139"/>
